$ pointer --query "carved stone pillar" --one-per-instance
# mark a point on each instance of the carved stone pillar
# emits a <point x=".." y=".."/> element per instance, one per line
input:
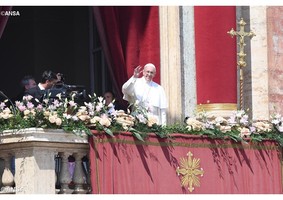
<point x="65" y="177"/>
<point x="79" y="176"/>
<point x="35" y="151"/>
<point x="7" y="176"/>
<point x="2" y="166"/>
<point x="86" y="167"/>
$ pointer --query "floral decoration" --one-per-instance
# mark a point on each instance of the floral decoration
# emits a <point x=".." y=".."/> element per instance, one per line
<point x="237" y="127"/>
<point x="67" y="114"/>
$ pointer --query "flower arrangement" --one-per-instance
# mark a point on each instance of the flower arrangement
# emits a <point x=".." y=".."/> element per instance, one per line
<point x="237" y="127"/>
<point x="66" y="114"/>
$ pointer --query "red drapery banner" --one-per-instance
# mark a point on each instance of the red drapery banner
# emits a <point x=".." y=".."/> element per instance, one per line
<point x="129" y="37"/>
<point x="123" y="165"/>
<point x="216" y="61"/>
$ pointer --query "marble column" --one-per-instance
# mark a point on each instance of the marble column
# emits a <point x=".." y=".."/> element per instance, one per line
<point x="188" y="71"/>
<point x="256" y="72"/>
<point x="275" y="57"/>
<point x="170" y="61"/>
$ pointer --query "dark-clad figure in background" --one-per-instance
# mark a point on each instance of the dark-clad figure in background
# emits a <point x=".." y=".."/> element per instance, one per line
<point x="48" y="80"/>
<point x="26" y="83"/>
<point x="109" y="97"/>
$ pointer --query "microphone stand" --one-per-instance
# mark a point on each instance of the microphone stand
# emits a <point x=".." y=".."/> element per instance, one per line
<point x="12" y="104"/>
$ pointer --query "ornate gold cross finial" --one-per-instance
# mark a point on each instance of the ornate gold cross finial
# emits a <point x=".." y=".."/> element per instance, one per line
<point x="241" y="55"/>
<point x="189" y="169"/>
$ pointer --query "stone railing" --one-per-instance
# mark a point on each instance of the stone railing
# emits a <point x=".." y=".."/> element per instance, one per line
<point x="43" y="161"/>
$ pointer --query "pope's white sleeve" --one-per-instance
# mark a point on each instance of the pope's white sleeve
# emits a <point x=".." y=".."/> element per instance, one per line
<point x="128" y="88"/>
<point x="163" y="116"/>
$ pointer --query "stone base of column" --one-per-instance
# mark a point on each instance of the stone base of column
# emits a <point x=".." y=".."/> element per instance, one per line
<point x="217" y="109"/>
<point x="65" y="189"/>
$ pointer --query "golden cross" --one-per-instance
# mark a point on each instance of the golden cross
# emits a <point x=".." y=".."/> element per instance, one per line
<point x="190" y="170"/>
<point x="241" y="55"/>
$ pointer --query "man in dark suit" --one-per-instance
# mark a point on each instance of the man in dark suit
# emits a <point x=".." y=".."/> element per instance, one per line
<point x="48" y="80"/>
<point x="27" y="83"/>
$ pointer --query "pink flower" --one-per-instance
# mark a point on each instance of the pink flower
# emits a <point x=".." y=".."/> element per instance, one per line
<point x="56" y="103"/>
<point x="2" y="105"/>
<point x="52" y="119"/>
<point x="58" y="121"/>
<point x="99" y="107"/>
<point x="30" y="105"/>
<point x="22" y="107"/>
<point x="72" y="103"/>
<point x="244" y="132"/>
<point x="27" y="98"/>
<point x="39" y="107"/>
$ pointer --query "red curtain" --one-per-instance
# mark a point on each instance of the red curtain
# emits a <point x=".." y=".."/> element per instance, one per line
<point x="216" y="52"/>
<point x="129" y="37"/>
<point x="3" y="18"/>
<point x="123" y="165"/>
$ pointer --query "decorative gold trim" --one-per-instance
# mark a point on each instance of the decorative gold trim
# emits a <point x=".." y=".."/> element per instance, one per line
<point x="96" y="166"/>
<point x="190" y="170"/>
<point x="216" y="107"/>
<point x="190" y="145"/>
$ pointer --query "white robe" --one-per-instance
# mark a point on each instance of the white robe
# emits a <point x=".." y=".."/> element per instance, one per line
<point x="149" y="94"/>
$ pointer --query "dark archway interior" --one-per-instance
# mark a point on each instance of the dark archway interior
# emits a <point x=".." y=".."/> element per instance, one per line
<point x="45" y="37"/>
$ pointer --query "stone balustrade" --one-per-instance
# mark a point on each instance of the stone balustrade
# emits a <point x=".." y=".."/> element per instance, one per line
<point x="37" y="161"/>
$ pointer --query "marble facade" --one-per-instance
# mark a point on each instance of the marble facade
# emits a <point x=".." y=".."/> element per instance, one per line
<point x="262" y="77"/>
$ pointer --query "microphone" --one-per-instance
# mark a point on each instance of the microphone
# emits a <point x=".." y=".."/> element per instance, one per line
<point x="13" y="106"/>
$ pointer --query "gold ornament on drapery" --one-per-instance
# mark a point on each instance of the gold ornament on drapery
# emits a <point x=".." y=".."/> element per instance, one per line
<point x="190" y="170"/>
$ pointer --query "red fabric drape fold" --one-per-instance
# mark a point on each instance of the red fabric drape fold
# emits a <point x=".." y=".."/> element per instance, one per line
<point x="3" y="18"/>
<point x="216" y="51"/>
<point x="123" y="165"/>
<point x="130" y="37"/>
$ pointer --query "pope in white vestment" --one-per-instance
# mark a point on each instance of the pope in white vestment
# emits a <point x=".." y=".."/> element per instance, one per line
<point x="148" y="93"/>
